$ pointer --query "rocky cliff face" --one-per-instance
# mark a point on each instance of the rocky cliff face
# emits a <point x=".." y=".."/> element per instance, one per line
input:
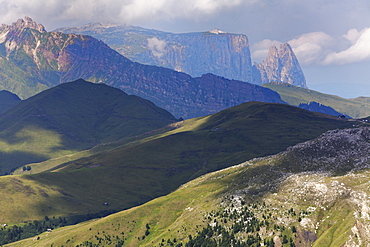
<point x="280" y="65"/>
<point x="215" y="52"/>
<point x="32" y="60"/>
<point x="222" y="54"/>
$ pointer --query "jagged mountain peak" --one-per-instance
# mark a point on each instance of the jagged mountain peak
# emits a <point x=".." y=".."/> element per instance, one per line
<point x="22" y="24"/>
<point x="280" y="65"/>
<point x="285" y="47"/>
<point x="273" y="51"/>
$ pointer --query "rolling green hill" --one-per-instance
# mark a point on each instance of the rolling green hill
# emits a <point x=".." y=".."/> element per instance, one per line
<point x="139" y="171"/>
<point x="72" y="117"/>
<point x="355" y="108"/>
<point x="313" y="194"/>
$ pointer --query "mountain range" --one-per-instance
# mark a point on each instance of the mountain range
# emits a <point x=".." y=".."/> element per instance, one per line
<point x="217" y="52"/>
<point x="34" y="60"/>
<point x="235" y="172"/>
<point x="128" y="173"/>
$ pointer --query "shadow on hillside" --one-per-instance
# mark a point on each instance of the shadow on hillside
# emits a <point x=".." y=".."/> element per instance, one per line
<point x="12" y="160"/>
<point x="30" y="144"/>
<point x="131" y="175"/>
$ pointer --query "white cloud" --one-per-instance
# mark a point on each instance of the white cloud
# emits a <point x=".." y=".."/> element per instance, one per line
<point x="311" y="48"/>
<point x="352" y="35"/>
<point x="359" y="51"/>
<point x="136" y="10"/>
<point x="157" y="47"/>
<point x="125" y="11"/>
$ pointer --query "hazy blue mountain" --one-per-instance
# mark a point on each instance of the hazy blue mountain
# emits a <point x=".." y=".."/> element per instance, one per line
<point x="317" y="107"/>
<point x="215" y="52"/>
<point x="34" y="60"/>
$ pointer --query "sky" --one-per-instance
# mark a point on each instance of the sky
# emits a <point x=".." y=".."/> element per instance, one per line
<point x="331" y="38"/>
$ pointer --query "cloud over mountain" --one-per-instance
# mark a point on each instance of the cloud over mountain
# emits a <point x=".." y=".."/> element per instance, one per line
<point x="357" y="52"/>
<point x="310" y="48"/>
<point x="126" y="11"/>
<point x="318" y="48"/>
<point x="157" y="47"/>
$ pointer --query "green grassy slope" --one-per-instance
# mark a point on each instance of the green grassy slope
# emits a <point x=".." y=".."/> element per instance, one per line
<point x="72" y="117"/>
<point x="17" y="80"/>
<point x="140" y="171"/>
<point x="240" y="133"/>
<point x="355" y="108"/>
<point x="302" y="202"/>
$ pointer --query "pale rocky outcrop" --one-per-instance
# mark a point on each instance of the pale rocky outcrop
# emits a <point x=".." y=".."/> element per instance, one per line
<point x="280" y="65"/>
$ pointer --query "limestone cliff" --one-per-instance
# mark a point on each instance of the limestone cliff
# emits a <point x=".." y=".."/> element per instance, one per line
<point x="215" y="51"/>
<point x="280" y="65"/>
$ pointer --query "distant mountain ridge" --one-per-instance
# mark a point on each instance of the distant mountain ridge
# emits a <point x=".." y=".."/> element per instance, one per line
<point x="33" y="60"/>
<point x="293" y="95"/>
<point x="217" y="52"/>
<point x="317" y="107"/>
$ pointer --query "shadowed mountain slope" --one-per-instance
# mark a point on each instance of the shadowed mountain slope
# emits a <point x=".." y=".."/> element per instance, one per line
<point x="71" y="117"/>
<point x="313" y="194"/>
<point x="140" y="171"/>
<point x="7" y="100"/>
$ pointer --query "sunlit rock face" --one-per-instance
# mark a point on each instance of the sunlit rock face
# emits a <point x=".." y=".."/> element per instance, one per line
<point x="280" y="65"/>
<point x="217" y="52"/>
